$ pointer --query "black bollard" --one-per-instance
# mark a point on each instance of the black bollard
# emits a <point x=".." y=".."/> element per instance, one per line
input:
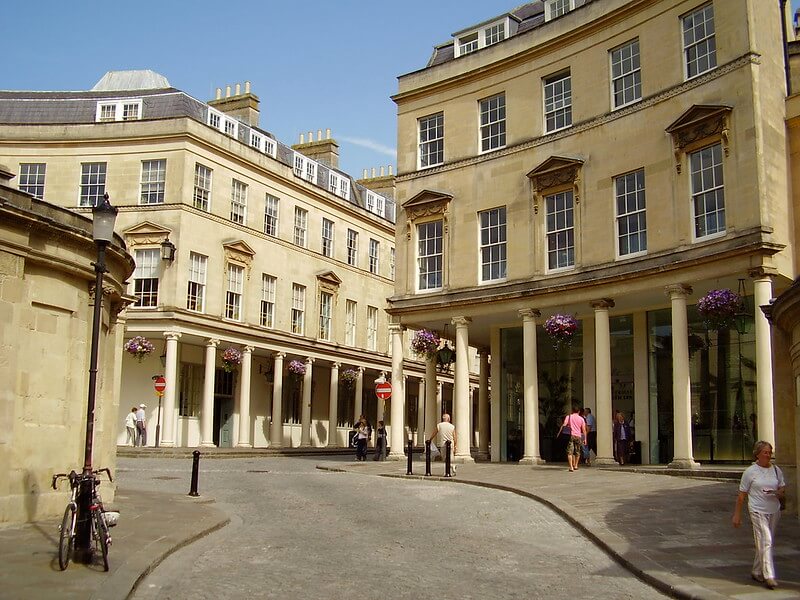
<point x="195" y="469"/>
<point x="410" y="454"/>
<point x="447" y="459"/>
<point x="427" y="458"/>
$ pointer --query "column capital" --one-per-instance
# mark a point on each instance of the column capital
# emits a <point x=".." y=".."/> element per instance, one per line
<point x="212" y="342"/>
<point x="336" y="365"/>
<point x="172" y="335"/>
<point x="529" y="313"/>
<point x="248" y="349"/>
<point x="279" y="355"/>
<point x="461" y="321"/>
<point x="396" y="327"/>
<point x="678" y="289"/>
<point x="762" y="272"/>
<point x="360" y="370"/>
<point x="309" y="360"/>
<point x="602" y="303"/>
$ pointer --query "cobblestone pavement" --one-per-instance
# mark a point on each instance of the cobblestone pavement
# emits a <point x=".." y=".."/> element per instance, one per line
<point x="297" y="532"/>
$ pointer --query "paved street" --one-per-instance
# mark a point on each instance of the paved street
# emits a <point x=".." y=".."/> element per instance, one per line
<point x="297" y="532"/>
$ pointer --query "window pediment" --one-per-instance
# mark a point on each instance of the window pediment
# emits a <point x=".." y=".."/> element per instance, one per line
<point x="556" y="171"/>
<point x="145" y="233"/>
<point x="698" y="124"/>
<point x="428" y="203"/>
<point x="239" y="252"/>
<point x="328" y="280"/>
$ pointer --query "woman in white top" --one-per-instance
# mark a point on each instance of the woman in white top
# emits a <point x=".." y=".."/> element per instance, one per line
<point x="763" y="485"/>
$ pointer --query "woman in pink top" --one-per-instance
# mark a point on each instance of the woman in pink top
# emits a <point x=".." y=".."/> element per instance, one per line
<point x="577" y="437"/>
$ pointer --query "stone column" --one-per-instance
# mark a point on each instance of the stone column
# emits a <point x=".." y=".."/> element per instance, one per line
<point x="439" y="401"/>
<point x="472" y="416"/>
<point x="207" y="411"/>
<point x="764" y="392"/>
<point x="359" y="397"/>
<point x="641" y="384"/>
<point x="461" y="390"/>
<point x="171" y="375"/>
<point x="432" y="417"/>
<point x="244" y="399"/>
<point x="305" y="415"/>
<point x="602" y="357"/>
<point x="681" y="393"/>
<point x="397" y="434"/>
<point x="483" y="405"/>
<point x="276" y="430"/>
<point x="421" y="412"/>
<point x="530" y="377"/>
<point x="333" y="407"/>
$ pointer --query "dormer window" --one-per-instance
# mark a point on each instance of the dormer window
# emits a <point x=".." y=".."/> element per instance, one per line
<point x="119" y="110"/>
<point x="480" y="37"/>
<point x="556" y="8"/>
<point x="223" y="123"/>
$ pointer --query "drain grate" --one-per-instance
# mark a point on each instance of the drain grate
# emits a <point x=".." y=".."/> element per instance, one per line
<point x="166" y="477"/>
<point x="255" y="471"/>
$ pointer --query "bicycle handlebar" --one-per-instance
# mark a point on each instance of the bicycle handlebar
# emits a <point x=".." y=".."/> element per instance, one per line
<point x="72" y="476"/>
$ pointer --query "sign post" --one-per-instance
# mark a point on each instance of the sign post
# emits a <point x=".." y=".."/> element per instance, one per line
<point x="383" y="390"/>
<point x="160" y="384"/>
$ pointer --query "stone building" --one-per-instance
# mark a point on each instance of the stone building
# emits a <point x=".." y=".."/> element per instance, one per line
<point x="242" y="245"/>
<point x="613" y="161"/>
<point x="46" y="309"/>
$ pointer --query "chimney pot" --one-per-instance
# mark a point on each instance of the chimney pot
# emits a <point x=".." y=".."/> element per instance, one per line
<point x="390" y="170"/>
<point x="227" y="91"/>
<point x="373" y="171"/>
<point x="246" y="87"/>
<point x="238" y="89"/>
<point x="364" y="176"/>
<point x="328" y="133"/>
<point x="219" y="93"/>
<point x="383" y="171"/>
<point x="302" y="138"/>
<point x="319" y="135"/>
<point x="310" y="136"/>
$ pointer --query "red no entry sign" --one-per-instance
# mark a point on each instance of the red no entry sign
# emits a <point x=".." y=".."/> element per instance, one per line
<point x="160" y="384"/>
<point x="383" y="390"/>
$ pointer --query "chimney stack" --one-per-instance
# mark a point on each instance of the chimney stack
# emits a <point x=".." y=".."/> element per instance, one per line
<point x="382" y="184"/>
<point x="325" y="151"/>
<point x="243" y="107"/>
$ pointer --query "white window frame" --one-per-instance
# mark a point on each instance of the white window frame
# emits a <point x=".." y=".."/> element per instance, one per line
<point x="352" y="247"/>
<point x="272" y="206"/>
<point x="153" y="182"/>
<point x="94" y="174"/>
<point x="339" y="185"/>
<point x="555" y="8"/>
<point x="146" y="276"/>
<point x="557" y="101"/>
<point x="560" y="224"/>
<point x="234" y="293"/>
<point x="428" y="256"/>
<point x="305" y="168"/>
<point x="492" y="240"/>
<point x="196" y="288"/>
<point x="238" y="201"/>
<point x="298" y="309"/>
<point x="711" y="180"/>
<point x="492" y="123"/>
<point x="328" y="230"/>
<point x="222" y="123"/>
<point x="351" y="322"/>
<point x="269" y="285"/>
<point x="121" y="110"/>
<point x="689" y="23"/>
<point x="203" y="182"/>
<point x="372" y="328"/>
<point x="430" y="140"/>
<point x="374" y="256"/>
<point x="263" y="143"/>
<point x="300" y="227"/>
<point x="467" y="42"/>
<point x="375" y="203"/>
<point x="630" y="206"/>
<point x="626" y="74"/>
<point x="32" y="178"/>
<point x="325" y="316"/>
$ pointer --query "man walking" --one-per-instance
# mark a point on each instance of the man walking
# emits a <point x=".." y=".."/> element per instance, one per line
<point x="447" y="433"/>
<point x="577" y="433"/>
<point x="141" y="426"/>
<point x="591" y="432"/>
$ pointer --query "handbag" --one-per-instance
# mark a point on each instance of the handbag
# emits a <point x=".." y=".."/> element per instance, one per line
<point x="782" y="497"/>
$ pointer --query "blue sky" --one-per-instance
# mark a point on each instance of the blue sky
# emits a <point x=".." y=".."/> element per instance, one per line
<point x="314" y="65"/>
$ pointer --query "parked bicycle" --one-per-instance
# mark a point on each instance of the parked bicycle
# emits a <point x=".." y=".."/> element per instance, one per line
<point x="99" y="519"/>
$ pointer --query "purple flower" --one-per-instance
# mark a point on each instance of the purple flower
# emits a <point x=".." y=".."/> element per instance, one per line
<point x="425" y="343"/>
<point x="561" y="328"/>
<point x="718" y="308"/>
<point x="297" y="367"/>
<point x="139" y="347"/>
<point x="231" y="358"/>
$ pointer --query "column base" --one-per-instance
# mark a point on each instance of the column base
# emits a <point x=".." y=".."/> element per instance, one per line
<point x="305" y="445"/>
<point x="163" y="444"/>
<point x="463" y="459"/>
<point x="208" y="445"/>
<point x="604" y="461"/>
<point x="396" y="456"/>
<point x="244" y="445"/>
<point x="532" y="460"/>
<point x="683" y="463"/>
<point x="275" y="445"/>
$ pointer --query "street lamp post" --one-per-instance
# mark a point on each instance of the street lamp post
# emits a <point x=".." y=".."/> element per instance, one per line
<point x="103" y="217"/>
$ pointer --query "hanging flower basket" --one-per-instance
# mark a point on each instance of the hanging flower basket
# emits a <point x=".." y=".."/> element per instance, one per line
<point x="425" y="343"/>
<point x="348" y="377"/>
<point x="231" y="359"/>
<point x="297" y="368"/>
<point x="718" y="308"/>
<point x="561" y="329"/>
<point x="139" y="347"/>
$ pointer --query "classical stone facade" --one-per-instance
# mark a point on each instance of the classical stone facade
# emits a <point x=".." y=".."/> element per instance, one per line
<point x="46" y="305"/>
<point x="613" y="161"/>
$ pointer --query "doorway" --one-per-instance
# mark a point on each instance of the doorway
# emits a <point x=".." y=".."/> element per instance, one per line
<point x="224" y="385"/>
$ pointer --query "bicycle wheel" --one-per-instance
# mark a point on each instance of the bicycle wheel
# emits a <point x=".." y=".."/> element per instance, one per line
<point x="66" y="538"/>
<point x="100" y="531"/>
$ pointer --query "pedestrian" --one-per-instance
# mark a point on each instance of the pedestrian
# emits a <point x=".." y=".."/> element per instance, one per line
<point x="130" y="427"/>
<point x="380" y="442"/>
<point x="577" y="436"/>
<point x="361" y="440"/>
<point x="141" y="426"/>
<point x="446" y="432"/>
<point x="591" y="432"/>
<point x="622" y="438"/>
<point x="764" y="488"/>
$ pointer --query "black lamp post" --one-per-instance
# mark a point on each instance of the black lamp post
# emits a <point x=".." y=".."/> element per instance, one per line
<point x="103" y="217"/>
